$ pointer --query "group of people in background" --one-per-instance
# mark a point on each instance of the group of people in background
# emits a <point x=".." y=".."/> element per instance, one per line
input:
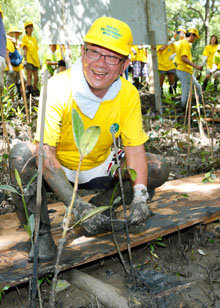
<point x="17" y="55"/>
<point x="175" y="61"/>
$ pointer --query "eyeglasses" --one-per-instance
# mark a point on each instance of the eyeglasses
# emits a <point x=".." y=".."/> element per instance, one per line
<point x="194" y="35"/>
<point x="95" y="55"/>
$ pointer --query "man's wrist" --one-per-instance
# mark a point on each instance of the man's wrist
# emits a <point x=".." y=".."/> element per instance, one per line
<point x="140" y="193"/>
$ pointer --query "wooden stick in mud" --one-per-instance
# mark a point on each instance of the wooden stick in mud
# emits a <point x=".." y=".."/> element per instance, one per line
<point x="5" y="132"/>
<point x="189" y="104"/>
<point x="106" y="294"/>
<point x="25" y="105"/>
<point x="201" y="130"/>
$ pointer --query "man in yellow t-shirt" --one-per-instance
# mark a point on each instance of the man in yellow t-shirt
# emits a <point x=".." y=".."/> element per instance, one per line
<point x="166" y="65"/>
<point x="95" y="89"/>
<point x="2" y="51"/>
<point x="208" y="55"/>
<point x="31" y="58"/>
<point x="139" y="62"/>
<point x="13" y="59"/>
<point x="185" y="65"/>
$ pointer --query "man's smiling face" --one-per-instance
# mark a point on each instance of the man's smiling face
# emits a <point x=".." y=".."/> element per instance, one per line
<point x="99" y="74"/>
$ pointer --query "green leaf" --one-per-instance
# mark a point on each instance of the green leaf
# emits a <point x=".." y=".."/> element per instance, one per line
<point x="5" y="288"/>
<point x="114" y="168"/>
<point x="185" y="195"/>
<point x="78" y="127"/>
<point x="152" y="247"/>
<point x="5" y="156"/>
<point x="62" y="285"/>
<point x="96" y="211"/>
<point x="89" y="139"/>
<point x="32" y="223"/>
<point x="32" y="179"/>
<point x="28" y="230"/>
<point x="116" y="200"/>
<point x="133" y="174"/>
<point x="207" y="175"/>
<point x="18" y="178"/>
<point x="204" y="180"/>
<point x="9" y="188"/>
<point x="40" y="281"/>
<point x="160" y="244"/>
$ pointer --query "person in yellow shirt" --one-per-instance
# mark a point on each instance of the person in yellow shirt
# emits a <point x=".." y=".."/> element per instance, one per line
<point x="2" y="51"/>
<point x="139" y="62"/>
<point x="50" y="59"/>
<point x="208" y="55"/>
<point x="216" y="67"/>
<point x="166" y="65"/>
<point x="60" y="53"/>
<point x="95" y="89"/>
<point x="31" y="59"/>
<point x="185" y="65"/>
<point x="13" y="59"/>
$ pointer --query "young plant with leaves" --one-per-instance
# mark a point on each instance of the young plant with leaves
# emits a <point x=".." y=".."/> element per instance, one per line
<point x="85" y="141"/>
<point x="29" y="227"/>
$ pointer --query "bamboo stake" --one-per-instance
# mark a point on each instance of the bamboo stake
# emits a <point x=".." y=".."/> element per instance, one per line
<point x="204" y="111"/>
<point x="189" y="101"/>
<point x="39" y="196"/>
<point x="5" y="132"/>
<point x="25" y="104"/>
<point x="201" y="130"/>
<point x="30" y="107"/>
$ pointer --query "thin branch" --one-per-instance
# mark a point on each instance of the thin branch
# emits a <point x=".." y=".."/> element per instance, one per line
<point x="198" y="12"/>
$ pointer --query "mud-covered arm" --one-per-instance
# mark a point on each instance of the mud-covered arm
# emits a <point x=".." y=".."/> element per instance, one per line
<point x="136" y="159"/>
<point x="54" y="175"/>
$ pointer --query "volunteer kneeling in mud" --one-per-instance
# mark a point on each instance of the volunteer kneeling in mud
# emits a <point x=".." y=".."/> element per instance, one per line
<point x="93" y="87"/>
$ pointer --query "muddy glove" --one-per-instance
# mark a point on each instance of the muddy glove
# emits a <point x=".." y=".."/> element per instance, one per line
<point x="139" y="210"/>
<point x="98" y="223"/>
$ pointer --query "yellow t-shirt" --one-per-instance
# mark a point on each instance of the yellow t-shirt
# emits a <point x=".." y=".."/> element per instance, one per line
<point x="124" y="109"/>
<point x="11" y="48"/>
<point x="164" y="63"/>
<point x="216" y="59"/>
<point x="184" y="49"/>
<point x="209" y="51"/>
<point x="32" y="50"/>
<point x="59" y="53"/>
<point x="140" y="54"/>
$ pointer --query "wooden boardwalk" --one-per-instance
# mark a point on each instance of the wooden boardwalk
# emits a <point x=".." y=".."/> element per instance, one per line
<point x="176" y="205"/>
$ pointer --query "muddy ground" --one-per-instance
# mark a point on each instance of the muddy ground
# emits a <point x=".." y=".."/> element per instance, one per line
<point x="177" y="271"/>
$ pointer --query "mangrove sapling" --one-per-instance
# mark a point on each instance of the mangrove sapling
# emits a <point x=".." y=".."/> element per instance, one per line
<point x="2" y="291"/>
<point x="113" y="129"/>
<point x="29" y="228"/>
<point x="85" y="141"/>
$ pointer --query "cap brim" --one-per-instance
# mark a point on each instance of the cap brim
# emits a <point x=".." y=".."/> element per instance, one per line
<point x="107" y="45"/>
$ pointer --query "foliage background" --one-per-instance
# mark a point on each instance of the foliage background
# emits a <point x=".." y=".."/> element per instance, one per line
<point x="202" y="14"/>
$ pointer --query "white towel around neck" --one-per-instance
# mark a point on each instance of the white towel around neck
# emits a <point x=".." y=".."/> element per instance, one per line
<point x="87" y="102"/>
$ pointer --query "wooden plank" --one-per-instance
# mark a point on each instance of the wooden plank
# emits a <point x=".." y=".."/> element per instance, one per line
<point x="177" y="204"/>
